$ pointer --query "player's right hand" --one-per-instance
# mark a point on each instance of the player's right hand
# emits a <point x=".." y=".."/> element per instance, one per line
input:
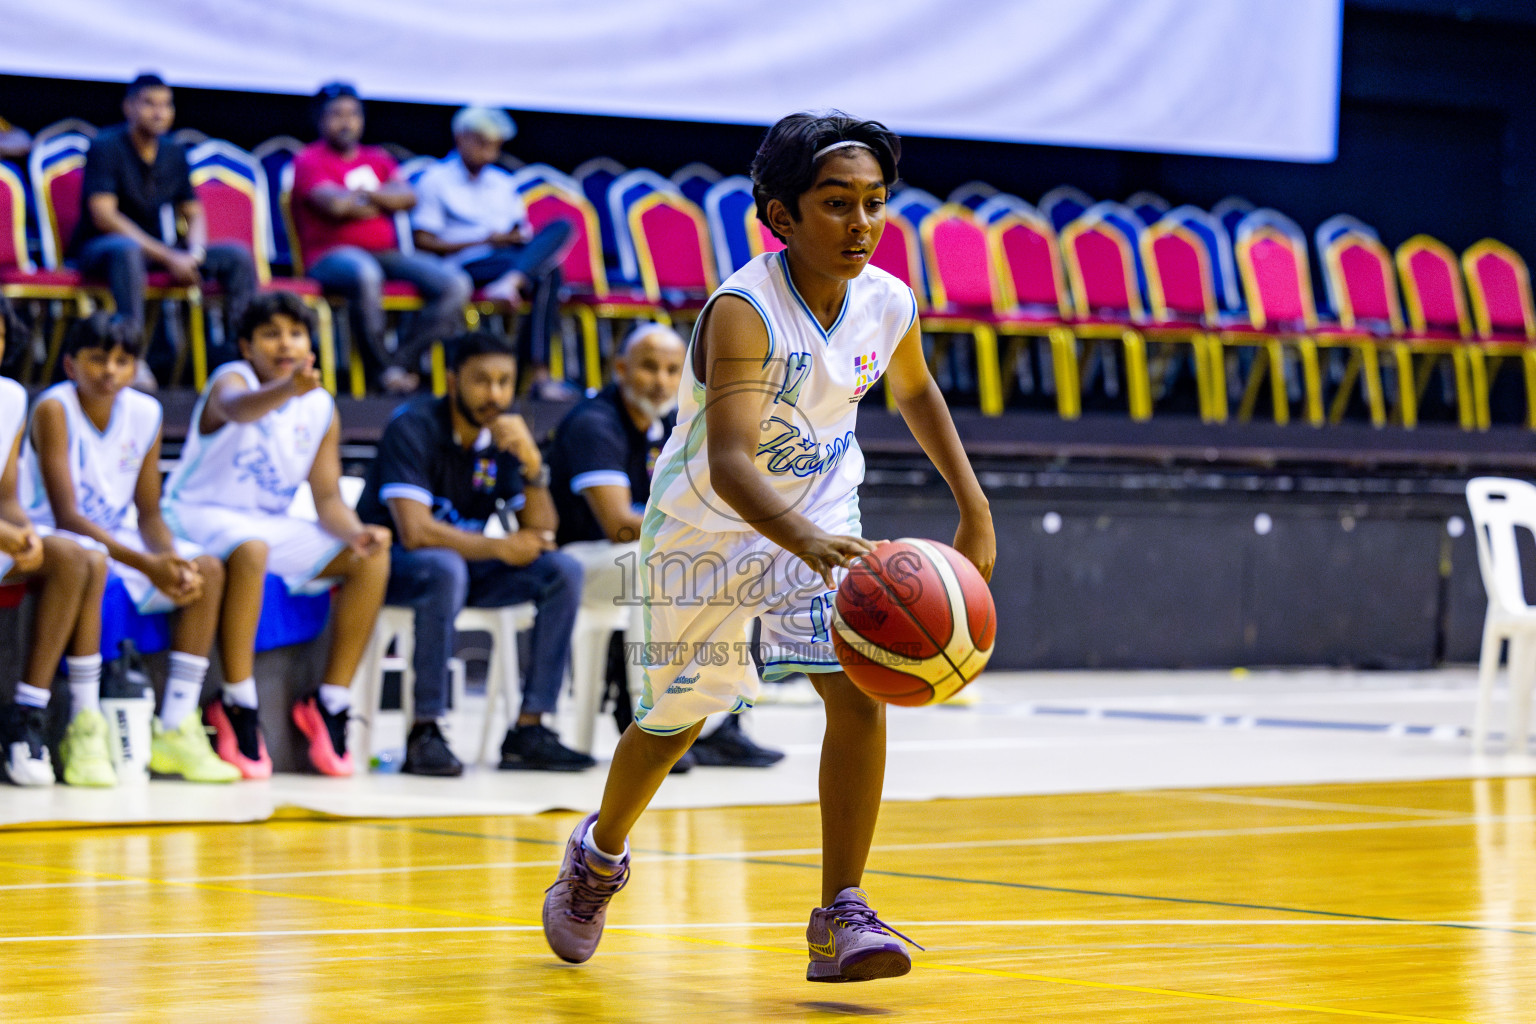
<point x="176" y="578"/>
<point x="29" y="555"/>
<point x="824" y="552"/>
<point x="305" y="377"/>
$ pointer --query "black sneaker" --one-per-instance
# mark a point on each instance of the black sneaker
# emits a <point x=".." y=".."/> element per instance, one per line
<point x="729" y="747"/>
<point x="26" y="746"/>
<point x="427" y="753"/>
<point x="536" y="748"/>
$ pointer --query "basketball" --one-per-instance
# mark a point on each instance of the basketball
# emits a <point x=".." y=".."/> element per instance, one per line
<point x="915" y="622"/>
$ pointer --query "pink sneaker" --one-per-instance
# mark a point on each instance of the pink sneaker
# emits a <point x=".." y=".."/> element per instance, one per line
<point x="327" y="735"/>
<point x="576" y="906"/>
<point x="237" y="739"/>
<point x="849" y="943"/>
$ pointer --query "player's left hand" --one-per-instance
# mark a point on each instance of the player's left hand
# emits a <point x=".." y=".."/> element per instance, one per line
<point x="369" y="540"/>
<point x="976" y="540"/>
<point x="28" y="558"/>
<point x="510" y="433"/>
<point x="305" y="377"/>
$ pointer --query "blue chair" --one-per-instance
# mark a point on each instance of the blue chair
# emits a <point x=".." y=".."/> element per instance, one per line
<point x="274" y="155"/>
<point x="1063" y="204"/>
<point x="1149" y="206"/>
<point x="694" y="181"/>
<point x="594" y="176"/>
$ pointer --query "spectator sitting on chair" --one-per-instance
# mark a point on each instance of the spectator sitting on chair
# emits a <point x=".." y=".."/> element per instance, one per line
<point x="345" y="196"/>
<point x="444" y="467"/>
<point x="263" y="427"/>
<point x="135" y="180"/>
<point x="600" y="462"/>
<point x="95" y="456"/>
<point x="468" y="211"/>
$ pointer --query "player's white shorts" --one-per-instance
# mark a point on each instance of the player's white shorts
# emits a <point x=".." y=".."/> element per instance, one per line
<point x="297" y="549"/>
<point x="145" y="596"/>
<point x="701" y="590"/>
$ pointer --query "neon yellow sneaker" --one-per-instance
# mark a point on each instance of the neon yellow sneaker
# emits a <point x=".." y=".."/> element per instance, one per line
<point x="87" y="757"/>
<point x="185" y="751"/>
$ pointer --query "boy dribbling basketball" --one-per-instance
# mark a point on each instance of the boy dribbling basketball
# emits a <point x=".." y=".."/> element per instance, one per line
<point x="754" y="505"/>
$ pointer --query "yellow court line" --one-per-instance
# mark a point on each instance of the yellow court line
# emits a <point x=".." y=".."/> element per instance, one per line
<point x="336" y="900"/>
<point x="951" y="968"/>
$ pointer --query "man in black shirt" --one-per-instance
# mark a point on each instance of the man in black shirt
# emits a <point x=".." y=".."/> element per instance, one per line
<point x="445" y="467"/>
<point x="136" y="183"/>
<point x="600" y="459"/>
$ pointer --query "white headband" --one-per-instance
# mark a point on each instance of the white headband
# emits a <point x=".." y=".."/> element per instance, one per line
<point x="824" y="150"/>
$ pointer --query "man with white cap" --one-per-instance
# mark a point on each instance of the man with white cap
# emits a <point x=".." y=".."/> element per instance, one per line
<point x="468" y="211"/>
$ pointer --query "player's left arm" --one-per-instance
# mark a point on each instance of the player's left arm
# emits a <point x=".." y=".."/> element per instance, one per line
<point x="335" y="515"/>
<point x="922" y="406"/>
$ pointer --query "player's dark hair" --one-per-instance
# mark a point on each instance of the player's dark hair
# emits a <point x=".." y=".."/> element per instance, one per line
<point x="464" y="347"/>
<point x="147" y="80"/>
<point x="102" y="330"/>
<point x="784" y="168"/>
<point x="264" y="307"/>
<point x="328" y="92"/>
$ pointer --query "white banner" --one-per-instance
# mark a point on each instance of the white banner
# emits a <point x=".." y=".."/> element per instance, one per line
<point x="1248" y="78"/>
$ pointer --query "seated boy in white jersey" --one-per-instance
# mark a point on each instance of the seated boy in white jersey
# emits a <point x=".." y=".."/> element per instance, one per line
<point x="95" y="457"/>
<point x="262" y="427"/>
<point x="68" y="614"/>
<point x="754" y="509"/>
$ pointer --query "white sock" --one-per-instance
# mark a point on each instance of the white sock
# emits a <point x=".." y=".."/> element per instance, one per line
<point x="335" y="698"/>
<point x="184" y="688"/>
<point x="241" y="694"/>
<point x="32" y="696"/>
<point x="84" y="683"/>
<point x="590" y="845"/>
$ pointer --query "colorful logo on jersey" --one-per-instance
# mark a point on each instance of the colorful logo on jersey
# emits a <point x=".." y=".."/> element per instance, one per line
<point x="866" y="370"/>
<point x="651" y="455"/>
<point x="485" y="475"/>
<point x="128" y="457"/>
<point x="301" y="436"/>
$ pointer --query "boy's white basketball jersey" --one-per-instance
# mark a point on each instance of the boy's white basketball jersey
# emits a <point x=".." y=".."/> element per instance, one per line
<point x="13" y="416"/>
<point x="103" y="464"/>
<point x="257" y="465"/>
<point x="810" y="387"/>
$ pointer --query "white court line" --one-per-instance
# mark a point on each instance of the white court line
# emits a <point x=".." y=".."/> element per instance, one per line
<point x="1312" y="805"/>
<point x="814" y="851"/>
<point x="738" y="925"/>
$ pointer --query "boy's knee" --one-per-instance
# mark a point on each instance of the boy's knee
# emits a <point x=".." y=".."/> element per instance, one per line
<point x="250" y="557"/>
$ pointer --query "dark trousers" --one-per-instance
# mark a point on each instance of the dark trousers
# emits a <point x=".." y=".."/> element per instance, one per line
<point x="121" y="262"/>
<point x="539" y="261"/>
<point x="358" y="276"/>
<point x="437" y="582"/>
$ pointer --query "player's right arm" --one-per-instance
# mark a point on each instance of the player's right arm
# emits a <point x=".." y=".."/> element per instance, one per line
<point x="50" y="440"/>
<point x="232" y="400"/>
<point x="734" y="347"/>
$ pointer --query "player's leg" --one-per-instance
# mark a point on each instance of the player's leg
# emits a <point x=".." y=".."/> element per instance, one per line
<point x="355" y="606"/>
<point x="852" y="780"/>
<point x="237" y="733"/>
<point x="179" y="746"/>
<point x="74" y="580"/>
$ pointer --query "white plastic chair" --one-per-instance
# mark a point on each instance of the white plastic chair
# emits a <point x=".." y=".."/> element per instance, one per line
<point x="1499" y="509"/>
<point x="396" y="624"/>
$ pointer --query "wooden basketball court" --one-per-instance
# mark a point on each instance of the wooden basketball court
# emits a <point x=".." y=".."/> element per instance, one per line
<point x="1398" y="901"/>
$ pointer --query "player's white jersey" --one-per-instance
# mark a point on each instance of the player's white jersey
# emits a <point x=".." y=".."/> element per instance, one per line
<point x="103" y="464"/>
<point x="13" y="415"/>
<point x="257" y="465"/>
<point x="810" y="388"/>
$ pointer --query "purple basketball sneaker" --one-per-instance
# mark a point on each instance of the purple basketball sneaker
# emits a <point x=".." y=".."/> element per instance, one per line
<point x="849" y="943"/>
<point x="576" y="906"/>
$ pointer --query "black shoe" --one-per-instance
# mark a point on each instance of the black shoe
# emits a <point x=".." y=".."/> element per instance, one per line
<point x="536" y="748"/>
<point x="729" y="747"/>
<point x="27" y="762"/>
<point x="427" y="753"/>
<point x="684" y="764"/>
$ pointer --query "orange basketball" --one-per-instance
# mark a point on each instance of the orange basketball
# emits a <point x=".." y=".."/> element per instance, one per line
<point x="915" y="622"/>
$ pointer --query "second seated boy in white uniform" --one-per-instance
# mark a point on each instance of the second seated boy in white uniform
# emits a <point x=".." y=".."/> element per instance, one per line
<point x="263" y="427"/>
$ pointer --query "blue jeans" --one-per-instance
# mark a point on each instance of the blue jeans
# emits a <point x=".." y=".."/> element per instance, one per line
<point x="436" y="583"/>
<point x="358" y="276"/>
<point x="539" y="261"/>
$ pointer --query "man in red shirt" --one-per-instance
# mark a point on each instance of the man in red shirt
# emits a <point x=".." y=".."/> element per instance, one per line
<point x="345" y="196"/>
